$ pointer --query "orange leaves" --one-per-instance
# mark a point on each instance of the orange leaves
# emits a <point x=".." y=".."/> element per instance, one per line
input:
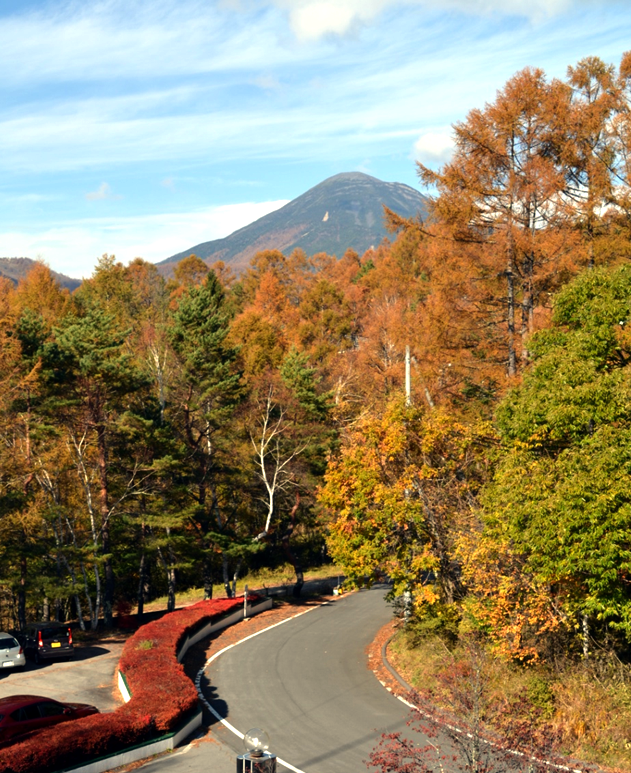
<point x="515" y="609"/>
<point x="520" y="207"/>
<point x="397" y="494"/>
<point x="39" y="292"/>
<point x="191" y="271"/>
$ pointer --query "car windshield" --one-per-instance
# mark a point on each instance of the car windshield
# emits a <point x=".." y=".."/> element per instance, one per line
<point x="51" y="709"/>
<point x="54" y="633"/>
<point x="7" y="642"/>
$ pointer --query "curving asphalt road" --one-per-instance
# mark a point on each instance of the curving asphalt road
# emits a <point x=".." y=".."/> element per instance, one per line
<point x="308" y="684"/>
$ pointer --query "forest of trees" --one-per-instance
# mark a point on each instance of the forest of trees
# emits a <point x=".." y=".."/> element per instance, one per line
<point x="158" y="435"/>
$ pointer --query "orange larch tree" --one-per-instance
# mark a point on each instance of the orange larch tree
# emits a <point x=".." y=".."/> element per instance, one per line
<point x="500" y="195"/>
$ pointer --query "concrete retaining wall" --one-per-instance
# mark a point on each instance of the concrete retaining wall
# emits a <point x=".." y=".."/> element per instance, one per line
<point x="170" y="741"/>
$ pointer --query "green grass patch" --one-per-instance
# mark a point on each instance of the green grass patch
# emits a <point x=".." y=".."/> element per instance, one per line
<point x="262" y="578"/>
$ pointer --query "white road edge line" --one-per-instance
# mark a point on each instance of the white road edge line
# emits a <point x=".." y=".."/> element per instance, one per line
<point x="514" y="752"/>
<point x="200" y="673"/>
<point x="436" y="721"/>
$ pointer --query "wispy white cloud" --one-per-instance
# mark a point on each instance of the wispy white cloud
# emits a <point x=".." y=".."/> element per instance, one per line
<point x="210" y="92"/>
<point x="28" y="198"/>
<point x="152" y="237"/>
<point x="390" y="95"/>
<point x="362" y="96"/>
<point x="312" y="19"/>
<point x="267" y="82"/>
<point x="101" y="41"/>
<point x="434" y="147"/>
<point x="102" y="193"/>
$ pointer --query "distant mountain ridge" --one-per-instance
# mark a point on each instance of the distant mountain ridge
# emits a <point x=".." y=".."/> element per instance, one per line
<point x="342" y="212"/>
<point x="17" y="268"/>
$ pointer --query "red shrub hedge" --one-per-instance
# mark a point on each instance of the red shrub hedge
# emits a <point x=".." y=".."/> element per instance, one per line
<point x="162" y="696"/>
<point x="156" y="680"/>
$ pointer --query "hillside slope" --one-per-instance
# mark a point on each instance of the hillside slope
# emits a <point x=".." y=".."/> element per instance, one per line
<point x="17" y="268"/>
<point x="344" y="211"/>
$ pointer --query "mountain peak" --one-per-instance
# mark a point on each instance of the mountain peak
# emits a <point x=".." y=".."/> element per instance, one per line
<point x="344" y="211"/>
<point x="350" y="176"/>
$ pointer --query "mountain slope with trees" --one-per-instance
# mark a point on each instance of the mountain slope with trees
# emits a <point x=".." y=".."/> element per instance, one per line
<point x="344" y="211"/>
<point x="158" y="435"/>
<point x="17" y="268"/>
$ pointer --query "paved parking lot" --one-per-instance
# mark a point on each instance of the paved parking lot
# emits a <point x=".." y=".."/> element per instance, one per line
<point x="89" y="678"/>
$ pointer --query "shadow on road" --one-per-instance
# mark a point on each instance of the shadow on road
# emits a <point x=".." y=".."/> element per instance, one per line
<point x="218" y="704"/>
<point x="91" y="651"/>
<point x="6" y="672"/>
<point x="80" y="654"/>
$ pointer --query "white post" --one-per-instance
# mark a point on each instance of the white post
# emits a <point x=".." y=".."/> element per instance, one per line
<point x="245" y="602"/>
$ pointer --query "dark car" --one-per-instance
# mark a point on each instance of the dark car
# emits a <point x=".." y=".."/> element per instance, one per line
<point x="22" y="714"/>
<point x="47" y="641"/>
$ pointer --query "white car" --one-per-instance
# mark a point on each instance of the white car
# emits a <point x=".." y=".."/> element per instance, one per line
<point x="11" y="653"/>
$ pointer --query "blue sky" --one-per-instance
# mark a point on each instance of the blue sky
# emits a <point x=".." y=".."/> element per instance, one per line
<point x="141" y="128"/>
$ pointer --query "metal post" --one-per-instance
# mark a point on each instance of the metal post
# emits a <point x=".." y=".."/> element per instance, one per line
<point x="249" y="763"/>
<point x="407" y="607"/>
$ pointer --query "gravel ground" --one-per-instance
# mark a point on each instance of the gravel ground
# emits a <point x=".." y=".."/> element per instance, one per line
<point x="88" y="678"/>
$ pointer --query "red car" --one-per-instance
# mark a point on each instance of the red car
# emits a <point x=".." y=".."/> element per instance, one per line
<point x="21" y="714"/>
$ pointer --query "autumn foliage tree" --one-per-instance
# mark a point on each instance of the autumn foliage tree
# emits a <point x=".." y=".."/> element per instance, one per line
<point x="556" y="516"/>
<point x="397" y="496"/>
<point x="159" y="434"/>
<point x="500" y="198"/>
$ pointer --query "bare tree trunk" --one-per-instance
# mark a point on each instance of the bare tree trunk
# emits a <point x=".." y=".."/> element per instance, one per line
<point x="158" y="360"/>
<point x="140" y="595"/>
<point x="510" y="318"/>
<point x="94" y="609"/>
<point x="108" y="595"/>
<point x="585" y="637"/>
<point x="207" y="576"/>
<point x="527" y="309"/>
<point x="289" y="552"/>
<point x="235" y="577"/>
<point x="169" y="571"/>
<point x="73" y="576"/>
<point x="273" y="465"/>
<point x="590" y="226"/>
<point x="226" y="575"/>
<point x="77" y="603"/>
<point x="450" y="585"/>
<point x="22" y="595"/>
<point x="172" y="579"/>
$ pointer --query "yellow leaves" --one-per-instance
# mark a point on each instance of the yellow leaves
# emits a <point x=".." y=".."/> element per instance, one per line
<point x="399" y="490"/>
<point x="191" y="271"/>
<point x="425" y="595"/>
<point x="40" y="293"/>
<point x="512" y="606"/>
